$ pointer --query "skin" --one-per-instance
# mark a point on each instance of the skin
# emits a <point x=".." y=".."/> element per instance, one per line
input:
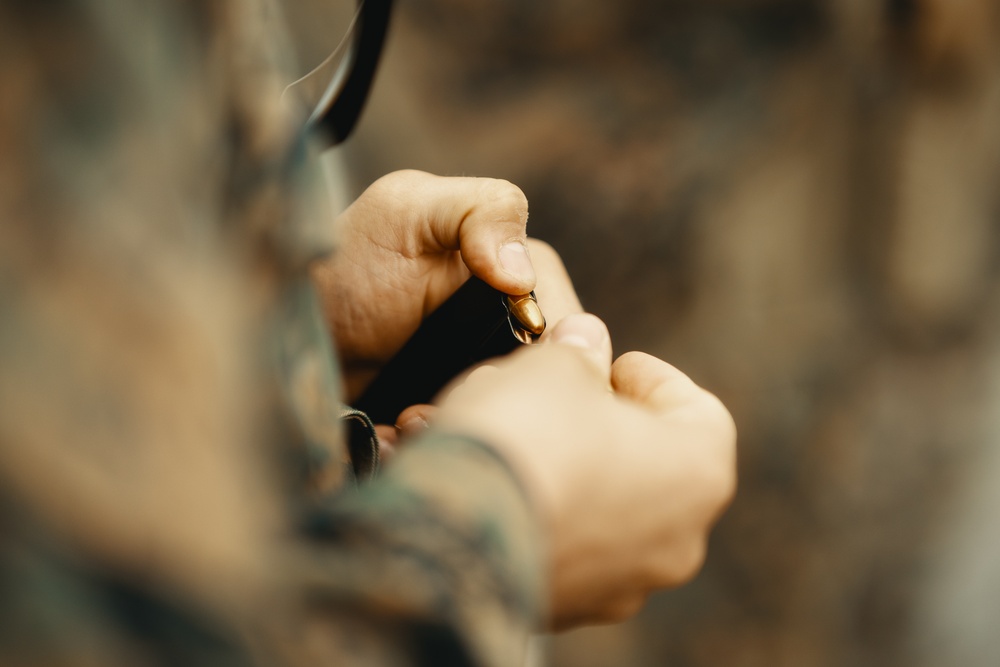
<point x="628" y="481"/>
<point x="406" y="245"/>
<point x="628" y="464"/>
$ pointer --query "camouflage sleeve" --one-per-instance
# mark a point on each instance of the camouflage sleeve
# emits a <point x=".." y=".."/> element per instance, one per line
<point x="437" y="560"/>
<point x="434" y="560"/>
<point x="143" y="518"/>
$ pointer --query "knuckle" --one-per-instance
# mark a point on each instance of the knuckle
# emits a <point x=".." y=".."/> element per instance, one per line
<point x="622" y="609"/>
<point x="692" y="561"/>
<point x="396" y="181"/>
<point x="683" y="564"/>
<point x="506" y="196"/>
<point x="726" y="487"/>
<point x="715" y="471"/>
<point x="719" y="484"/>
<point x="715" y="413"/>
<point x="720" y="412"/>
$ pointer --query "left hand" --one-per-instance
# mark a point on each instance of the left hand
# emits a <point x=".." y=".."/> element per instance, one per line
<point x="628" y="464"/>
<point x="408" y="242"/>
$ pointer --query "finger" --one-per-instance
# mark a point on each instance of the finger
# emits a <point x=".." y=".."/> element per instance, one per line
<point x="387" y="439"/>
<point x="386" y="434"/>
<point x="554" y="290"/>
<point x="485" y="219"/>
<point x="476" y="377"/>
<point x="661" y="388"/>
<point x="415" y="419"/>
<point x="588" y="333"/>
<point x="651" y="381"/>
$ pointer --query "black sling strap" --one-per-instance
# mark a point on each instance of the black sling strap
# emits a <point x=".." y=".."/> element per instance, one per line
<point x="340" y="107"/>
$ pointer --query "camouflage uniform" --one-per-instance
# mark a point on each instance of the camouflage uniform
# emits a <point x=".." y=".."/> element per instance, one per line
<point x="171" y="457"/>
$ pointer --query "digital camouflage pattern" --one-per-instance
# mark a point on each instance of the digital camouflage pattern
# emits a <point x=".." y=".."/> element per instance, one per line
<point x="174" y="484"/>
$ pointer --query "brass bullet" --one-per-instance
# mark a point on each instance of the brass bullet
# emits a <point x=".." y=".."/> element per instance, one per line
<point x="526" y="311"/>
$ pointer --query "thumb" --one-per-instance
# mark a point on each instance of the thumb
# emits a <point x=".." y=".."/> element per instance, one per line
<point x="485" y="219"/>
<point x="588" y="333"/>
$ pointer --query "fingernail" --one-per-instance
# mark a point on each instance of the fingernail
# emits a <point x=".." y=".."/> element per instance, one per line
<point x="413" y="425"/>
<point x="515" y="261"/>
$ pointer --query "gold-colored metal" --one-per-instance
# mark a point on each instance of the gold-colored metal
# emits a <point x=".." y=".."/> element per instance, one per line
<point x="526" y="313"/>
<point x="522" y="335"/>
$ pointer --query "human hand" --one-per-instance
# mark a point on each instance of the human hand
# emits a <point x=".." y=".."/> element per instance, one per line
<point x="408" y="243"/>
<point x="627" y="482"/>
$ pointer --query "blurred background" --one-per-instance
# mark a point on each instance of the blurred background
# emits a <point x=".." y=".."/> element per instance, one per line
<point x="798" y="203"/>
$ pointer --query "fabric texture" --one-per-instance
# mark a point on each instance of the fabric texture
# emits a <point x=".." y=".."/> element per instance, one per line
<point x="174" y="477"/>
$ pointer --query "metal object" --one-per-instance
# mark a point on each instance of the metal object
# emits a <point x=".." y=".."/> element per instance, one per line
<point x="526" y="320"/>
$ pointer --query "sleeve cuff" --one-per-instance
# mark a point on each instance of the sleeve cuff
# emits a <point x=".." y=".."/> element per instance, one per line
<point x="446" y="534"/>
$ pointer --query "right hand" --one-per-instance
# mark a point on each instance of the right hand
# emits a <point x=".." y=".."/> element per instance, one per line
<point x="407" y="243"/>
<point x="628" y="464"/>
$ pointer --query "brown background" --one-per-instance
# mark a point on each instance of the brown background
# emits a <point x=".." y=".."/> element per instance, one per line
<point x="797" y="202"/>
